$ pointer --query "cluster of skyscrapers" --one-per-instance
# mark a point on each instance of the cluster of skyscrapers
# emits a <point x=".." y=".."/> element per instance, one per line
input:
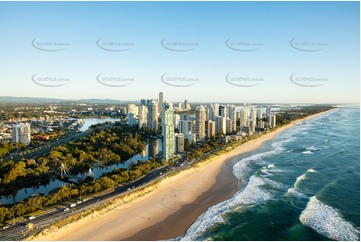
<point x="207" y="122"/>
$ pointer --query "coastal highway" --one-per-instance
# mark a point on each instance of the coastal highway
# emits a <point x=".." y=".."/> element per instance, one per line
<point x="19" y="230"/>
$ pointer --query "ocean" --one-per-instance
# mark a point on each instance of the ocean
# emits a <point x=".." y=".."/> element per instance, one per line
<point x="302" y="185"/>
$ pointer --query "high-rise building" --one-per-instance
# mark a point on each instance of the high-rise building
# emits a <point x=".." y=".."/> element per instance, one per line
<point x="261" y="124"/>
<point x="211" y="129"/>
<point x="176" y="121"/>
<point x="132" y="121"/>
<point x="232" y="116"/>
<point x="180" y="106"/>
<point x="273" y="121"/>
<point x="259" y="113"/>
<point x="143" y="114"/>
<point x="229" y="124"/>
<point x="153" y="116"/>
<point x="222" y="111"/>
<point x="244" y="117"/>
<point x="21" y="133"/>
<point x="187" y="106"/>
<point x="183" y="127"/>
<point x="160" y="104"/>
<point x="192" y="126"/>
<point x="179" y="143"/>
<point x="168" y="131"/>
<point x="191" y="137"/>
<point x="185" y="116"/>
<point x="207" y="113"/>
<point x="132" y="108"/>
<point x="216" y="110"/>
<point x="153" y="147"/>
<point x="220" y="125"/>
<point x="143" y="102"/>
<point x="122" y="110"/>
<point x="268" y="115"/>
<point x="200" y="123"/>
<point x="253" y="119"/>
<point x="212" y="113"/>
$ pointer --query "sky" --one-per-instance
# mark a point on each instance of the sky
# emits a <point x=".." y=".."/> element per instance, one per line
<point x="276" y="52"/>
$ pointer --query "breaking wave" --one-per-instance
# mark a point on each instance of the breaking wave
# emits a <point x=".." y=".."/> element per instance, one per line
<point x="327" y="221"/>
<point x="252" y="194"/>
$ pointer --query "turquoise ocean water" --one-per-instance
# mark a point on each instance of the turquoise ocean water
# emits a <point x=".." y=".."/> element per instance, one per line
<point x="302" y="185"/>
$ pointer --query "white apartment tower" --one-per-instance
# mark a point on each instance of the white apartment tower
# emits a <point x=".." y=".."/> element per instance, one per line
<point x="233" y="117"/>
<point x="168" y="131"/>
<point x="21" y="133"/>
<point x="200" y="123"/>
<point x="143" y="114"/>
<point x="253" y="119"/>
<point x="153" y="116"/>
<point x="244" y="117"/>
<point x="220" y="125"/>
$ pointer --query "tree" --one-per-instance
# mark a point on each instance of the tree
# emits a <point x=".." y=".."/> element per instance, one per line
<point x="4" y="212"/>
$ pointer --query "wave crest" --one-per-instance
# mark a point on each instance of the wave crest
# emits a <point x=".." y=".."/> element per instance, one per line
<point x="327" y="221"/>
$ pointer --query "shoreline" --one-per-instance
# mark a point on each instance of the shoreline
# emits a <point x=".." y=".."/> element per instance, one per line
<point x="169" y="210"/>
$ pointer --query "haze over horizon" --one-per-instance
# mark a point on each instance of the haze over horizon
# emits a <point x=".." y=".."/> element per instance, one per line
<point x="256" y="52"/>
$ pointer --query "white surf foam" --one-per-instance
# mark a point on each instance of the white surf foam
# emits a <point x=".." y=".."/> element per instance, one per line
<point x="265" y="171"/>
<point x="312" y="148"/>
<point x="251" y="194"/>
<point x="274" y="184"/>
<point x="327" y="221"/>
<point x="295" y="192"/>
<point x="240" y="168"/>
<point x="308" y="152"/>
<point x="270" y="166"/>
<point x="299" y="179"/>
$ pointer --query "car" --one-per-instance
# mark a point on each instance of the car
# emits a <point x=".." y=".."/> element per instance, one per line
<point x="66" y="209"/>
<point x="32" y="217"/>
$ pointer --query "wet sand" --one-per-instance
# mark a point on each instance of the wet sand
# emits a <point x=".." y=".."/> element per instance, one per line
<point x="226" y="185"/>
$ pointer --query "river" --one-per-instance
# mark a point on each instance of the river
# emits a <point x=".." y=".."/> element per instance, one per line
<point x="153" y="147"/>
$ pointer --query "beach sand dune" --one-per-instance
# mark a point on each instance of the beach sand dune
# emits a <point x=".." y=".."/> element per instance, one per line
<point x="168" y="211"/>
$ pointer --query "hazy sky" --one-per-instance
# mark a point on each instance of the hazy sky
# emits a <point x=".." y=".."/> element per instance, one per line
<point x="200" y="51"/>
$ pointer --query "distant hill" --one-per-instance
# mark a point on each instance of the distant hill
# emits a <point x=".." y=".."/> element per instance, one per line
<point x="8" y="99"/>
<point x="103" y="101"/>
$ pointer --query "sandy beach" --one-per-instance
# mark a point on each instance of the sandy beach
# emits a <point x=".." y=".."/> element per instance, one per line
<point x="168" y="211"/>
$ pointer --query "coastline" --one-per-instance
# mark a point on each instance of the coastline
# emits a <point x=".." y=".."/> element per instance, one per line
<point x="168" y="211"/>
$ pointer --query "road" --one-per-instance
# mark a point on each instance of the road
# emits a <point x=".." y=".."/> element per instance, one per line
<point x="42" y="150"/>
<point x="19" y="230"/>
